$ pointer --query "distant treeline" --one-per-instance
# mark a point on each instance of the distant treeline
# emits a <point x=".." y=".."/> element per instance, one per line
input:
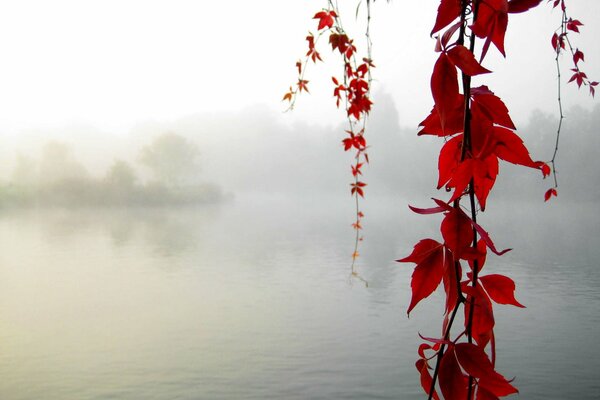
<point x="58" y="179"/>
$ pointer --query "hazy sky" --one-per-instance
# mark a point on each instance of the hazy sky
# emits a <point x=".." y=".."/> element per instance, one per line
<point x="115" y="63"/>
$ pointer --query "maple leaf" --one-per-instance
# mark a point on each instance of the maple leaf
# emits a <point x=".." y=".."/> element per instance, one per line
<point x="500" y="288"/>
<point x="431" y="262"/>
<point x="326" y="18"/>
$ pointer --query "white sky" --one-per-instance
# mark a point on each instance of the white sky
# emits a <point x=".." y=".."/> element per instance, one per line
<point x="115" y="63"/>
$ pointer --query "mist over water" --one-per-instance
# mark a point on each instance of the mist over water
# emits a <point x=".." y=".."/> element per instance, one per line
<point x="248" y="294"/>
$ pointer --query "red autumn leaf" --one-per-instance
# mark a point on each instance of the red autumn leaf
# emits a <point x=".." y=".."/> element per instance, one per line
<point x="488" y="241"/>
<point x="451" y="277"/>
<point x="549" y="193"/>
<point x="456" y="231"/>
<point x="500" y="288"/>
<point x="443" y="41"/>
<point x="490" y="105"/>
<point x="426" y="379"/>
<point x="545" y="168"/>
<point x="432" y="125"/>
<point x="444" y="88"/>
<point x="356" y="169"/>
<point x="465" y="61"/>
<point x="573" y="25"/>
<point x="448" y="11"/>
<point x="491" y="23"/>
<point x="578" y="76"/>
<point x="481" y="256"/>
<point x="483" y="314"/>
<point x="451" y="379"/>
<point x="288" y="96"/>
<point x="476" y="363"/>
<point x="356" y="187"/>
<point x="449" y="159"/>
<point x="326" y="19"/>
<point x="593" y="88"/>
<point x="519" y="6"/>
<point x="302" y="85"/>
<point x="577" y="56"/>
<point x="509" y="147"/>
<point x="429" y="256"/>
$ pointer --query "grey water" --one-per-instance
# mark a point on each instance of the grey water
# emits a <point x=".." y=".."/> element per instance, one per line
<point x="255" y="300"/>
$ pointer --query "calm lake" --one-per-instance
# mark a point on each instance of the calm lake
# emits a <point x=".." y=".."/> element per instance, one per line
<point x="254" y="300"/>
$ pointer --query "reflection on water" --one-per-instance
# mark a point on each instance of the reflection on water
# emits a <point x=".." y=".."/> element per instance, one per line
<point x="252" y="301"/>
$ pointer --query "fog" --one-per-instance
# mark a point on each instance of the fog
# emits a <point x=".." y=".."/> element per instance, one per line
<point x="258" y="151"/>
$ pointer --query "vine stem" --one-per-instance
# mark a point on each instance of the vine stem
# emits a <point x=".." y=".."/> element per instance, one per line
<point x="560" y="107"/>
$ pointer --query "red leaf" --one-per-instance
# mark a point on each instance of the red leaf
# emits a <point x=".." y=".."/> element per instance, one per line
<point x="451" y="280"/>
<point x="465" y="60"/>
<point x="426" y="379"/>
<point x="481" y="256"/>
<point x="476" y="363"/>
<point x="449" y="160"/>
<point x="519" y="6"/>
<point x="488" y="241"/>
<point x="432" y="125"/>
<point x="573" y="25"/>
<point x="425" y="211"/>
<point x="549" y="193"/>
<point x="510" y="147"/>
<point x="577" y="56"/>
<point x="444" y="88"/>
<point x="456" y="231"/>
<point x="448" y="11"/>
<point x="491" y="106"/>
<point x="483" y="315"/>
<point x="500" y="288"/>
<point x="452" y="381"/>
<point x="429" y="256"/>
<point x="326" y="19"/>
<point x="491" y="24"/>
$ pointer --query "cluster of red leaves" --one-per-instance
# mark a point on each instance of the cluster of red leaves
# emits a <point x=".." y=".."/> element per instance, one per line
<point x="352" y="92"/>
<point x="478" y="132"/>
<point x="560" y="41"/>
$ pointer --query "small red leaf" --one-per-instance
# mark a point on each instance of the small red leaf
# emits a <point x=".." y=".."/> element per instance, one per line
<point x="549" y="193"/>
<point x="500" y="288"/>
